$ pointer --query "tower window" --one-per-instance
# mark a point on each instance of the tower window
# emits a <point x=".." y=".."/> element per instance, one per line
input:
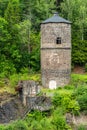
<point x="58" y="40"/>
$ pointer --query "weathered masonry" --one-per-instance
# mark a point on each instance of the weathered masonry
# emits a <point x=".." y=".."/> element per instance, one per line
<point x="55" y="51"/>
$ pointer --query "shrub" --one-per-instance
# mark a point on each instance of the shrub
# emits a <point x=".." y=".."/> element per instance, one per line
<point x="79" y="51"/>
<point x="2" y="84"/>
<point x="69" y="87"/>
<point x="46" y="124"/>
<point x="82" y="100"/>
<point x="35" y="115"/>
<point x="81" y="95"/>
<point x="9" y="127"/>
<point x="25" y="70"/>
<point x="78" y="79"/>
<point x="35" y="125"/>
<point x="81" y="127"/>
<point x="16" y="77"/>
<point x="57" y="99"/>
<point x="20" y="125"/>
<point x="81" y="90"/>
<point x="59" y="122"/>
<point x="2" y="127"/>
<point x="6" y="68"/>
<point x="71" y="105"/>
<point x="86" y="67"/>
<point x="66" y="101"/>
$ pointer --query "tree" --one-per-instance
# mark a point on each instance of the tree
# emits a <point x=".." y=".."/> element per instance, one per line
<point x="12" y="12"/>
<point x="76" y="11"/>
<point x="3" y="5"/>
<point x="6" y="65"/>
<point x="57" y="4"/>
<point x="37" y="11"/>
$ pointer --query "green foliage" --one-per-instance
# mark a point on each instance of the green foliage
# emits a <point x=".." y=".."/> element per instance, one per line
<point x="6" y="69"/>
<point x="86" y="67"/>
<point x="20" y="30"/>
<point x="57" y="98"/>
<point x="46" y="124"/>
<point x="13" y="79"/>
<point x="79" y="52"/>
<point x="78" y="79"/>
<point x="81" y="90"/>
<point x="19" y="45"/>
<point x="39" y="11"/>
<point x="20" y="53"/>
<point x="81" y="95"/>
<point x="77" y="14"/>
<point x="2" y="127"/>
<point x="82" y="100"/>
<point x="58" y="120"/>
<point x="12" y="12"/>
<point x="37" y="120"/>
<point x="66" y="101"/>
<point x="9" y="127"/>
<point x="36" y="115"/>
<point x="69" y="87"/>
<point x="35" y="54"/>
<point x="18" y="125"/>
<point x="81" y="127"/>
<point x="3" y="5"/>
<point x="2" y="83"/>
<point x="4" y="34"/>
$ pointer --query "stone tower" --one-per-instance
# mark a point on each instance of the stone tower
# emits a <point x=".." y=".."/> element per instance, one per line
<point x="55" y="52"/>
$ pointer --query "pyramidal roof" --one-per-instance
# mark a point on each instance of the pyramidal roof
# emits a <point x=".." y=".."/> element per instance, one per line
<point x="56" y="19"/>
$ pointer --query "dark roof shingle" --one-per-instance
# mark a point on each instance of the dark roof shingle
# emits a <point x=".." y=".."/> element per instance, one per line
<point x="56" y="19"/>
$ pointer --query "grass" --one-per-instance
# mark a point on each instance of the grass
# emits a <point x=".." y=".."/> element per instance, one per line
<point x="7" y="89"/>
<point x="13" y="81"/>
<point x="50" y="93"/>
<point x="76" y="80"/>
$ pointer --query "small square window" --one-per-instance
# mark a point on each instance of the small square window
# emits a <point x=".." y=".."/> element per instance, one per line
<point x="58" y="40"/>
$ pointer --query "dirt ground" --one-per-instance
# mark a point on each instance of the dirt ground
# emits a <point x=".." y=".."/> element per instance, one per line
<point x="79" y="70"/>
<point x="6" y="96"/>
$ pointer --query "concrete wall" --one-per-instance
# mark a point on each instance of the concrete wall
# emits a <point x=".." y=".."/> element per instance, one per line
<point x="27" y="88"/>
<point x="55" y="58"/>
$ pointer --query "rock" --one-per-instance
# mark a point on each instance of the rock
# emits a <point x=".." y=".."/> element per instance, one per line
<point x="13" y="108"/>
<point x="69" y="118"/>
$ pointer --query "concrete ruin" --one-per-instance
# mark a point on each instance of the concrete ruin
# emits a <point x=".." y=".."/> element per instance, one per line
<point x="27" y="88"/>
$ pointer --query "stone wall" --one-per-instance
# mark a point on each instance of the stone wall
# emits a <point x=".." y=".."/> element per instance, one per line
<point x="55" y="58"/>
<point x="50" y="31"/>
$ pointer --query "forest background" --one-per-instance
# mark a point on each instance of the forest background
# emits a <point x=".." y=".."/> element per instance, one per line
<point x="20" y="32"/>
